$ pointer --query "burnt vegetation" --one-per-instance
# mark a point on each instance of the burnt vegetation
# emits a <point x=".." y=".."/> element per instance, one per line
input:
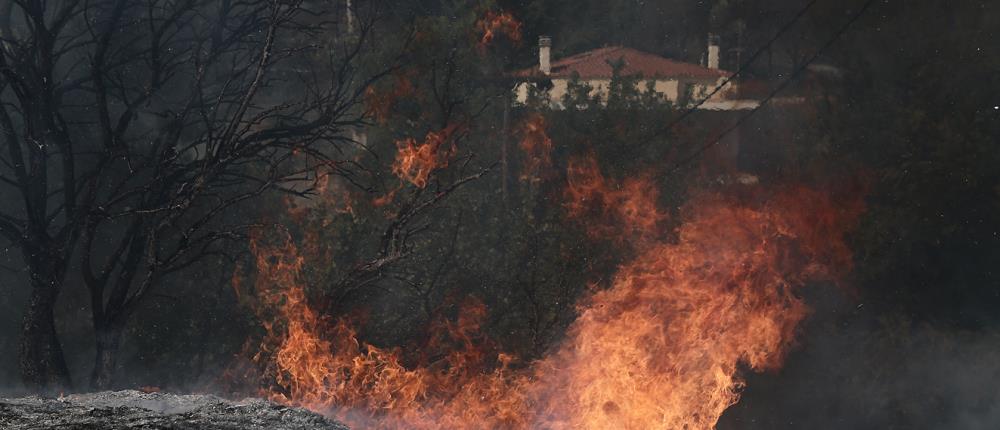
<point x="226" y="196"/>
<point x="130" y="127"/>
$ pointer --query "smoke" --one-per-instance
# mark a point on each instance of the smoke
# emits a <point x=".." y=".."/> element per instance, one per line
<point x="857" y="370"/>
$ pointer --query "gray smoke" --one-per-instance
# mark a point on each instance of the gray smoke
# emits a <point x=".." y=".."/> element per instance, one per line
<point x="856" y="371"/>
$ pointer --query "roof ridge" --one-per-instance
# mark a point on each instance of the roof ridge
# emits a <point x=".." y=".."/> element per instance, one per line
<point x="589" y="63"/>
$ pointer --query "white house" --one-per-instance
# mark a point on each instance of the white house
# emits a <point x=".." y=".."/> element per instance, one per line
<point x="678" y="82"/>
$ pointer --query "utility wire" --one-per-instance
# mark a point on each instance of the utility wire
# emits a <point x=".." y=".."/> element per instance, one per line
<point x="784" y="84"/>
<point x="740" y="71"/>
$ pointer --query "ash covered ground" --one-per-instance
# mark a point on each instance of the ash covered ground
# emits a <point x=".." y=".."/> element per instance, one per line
<point x="149" y="411"/>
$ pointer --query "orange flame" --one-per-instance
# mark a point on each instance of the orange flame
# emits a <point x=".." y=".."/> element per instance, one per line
<point x="321" y="189"/>
<point x="325" y="368"/>
<point x="661" y="348"/>
<point x="494" y="23"/>
<point x="386" y="198"/>
<point x="626" y="212"/>
<point x="416" y="161"/>
<point x="379" y="102"/>
<point x="536" y="146"/>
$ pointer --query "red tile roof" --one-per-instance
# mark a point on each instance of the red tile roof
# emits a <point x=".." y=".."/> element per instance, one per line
<point x="595" y="64"/>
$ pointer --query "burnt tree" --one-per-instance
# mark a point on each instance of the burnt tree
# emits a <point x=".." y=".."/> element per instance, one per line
<point x="130" y="128"/>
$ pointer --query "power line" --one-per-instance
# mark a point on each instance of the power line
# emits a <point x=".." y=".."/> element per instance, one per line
<point x="739" y="71"/>
<point x="784" y="84"/>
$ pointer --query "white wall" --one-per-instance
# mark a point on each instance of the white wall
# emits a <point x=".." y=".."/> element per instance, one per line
<point x="671" y="89"/>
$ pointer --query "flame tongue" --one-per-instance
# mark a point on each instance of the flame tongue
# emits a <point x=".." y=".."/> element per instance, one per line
<point x="660" y="348"/>
<point x="537" y="148"/>
<point x="494" y="23"/>
<point x="625" y="212"/>
<point x="415" y="161"/>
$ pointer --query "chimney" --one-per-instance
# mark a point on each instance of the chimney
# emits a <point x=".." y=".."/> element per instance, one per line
<point x="349" y="15"/>
<point x="713" y="51"/>
<point x="545" y="54"/>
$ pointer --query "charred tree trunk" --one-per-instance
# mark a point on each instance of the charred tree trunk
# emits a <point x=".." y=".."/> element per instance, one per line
<point x="40" y="355"/>
<point x="108" y="342"/>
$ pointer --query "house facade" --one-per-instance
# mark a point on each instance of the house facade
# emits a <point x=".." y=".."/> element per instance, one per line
<point x="680" y="83"/>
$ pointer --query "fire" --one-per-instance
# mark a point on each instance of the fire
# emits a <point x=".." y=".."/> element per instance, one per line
<point x="536" y="146"/>
<point x="379" y="102"/>
<point x="322" y="190"/>
<point x="416" y="161"/>
<point x="386" y="198"/>
<point x="323" y="367"/>
<point x="494" y="23"/>
<point x="624" y="211"/>
<point x="662" y="347"/>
